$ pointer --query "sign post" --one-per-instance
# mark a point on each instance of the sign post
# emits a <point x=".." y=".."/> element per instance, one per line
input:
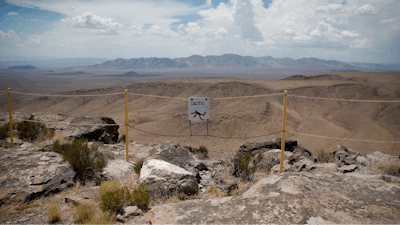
<point x="199" y="110"/>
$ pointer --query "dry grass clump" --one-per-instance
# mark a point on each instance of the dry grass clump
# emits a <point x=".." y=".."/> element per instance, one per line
<point x="392" y="169"/>
<point x="53" y="213"/>
<point x="139" y="165"/>
<point x="113" y="197"/>
<point x="84" y="212"/>
<point x="323" y="156"/>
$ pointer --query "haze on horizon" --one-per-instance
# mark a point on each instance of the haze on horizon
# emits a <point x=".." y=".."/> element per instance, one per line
<point x="354" y="31"/>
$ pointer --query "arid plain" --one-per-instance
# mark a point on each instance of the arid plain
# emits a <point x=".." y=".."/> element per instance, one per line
<point x="240" y="117"/>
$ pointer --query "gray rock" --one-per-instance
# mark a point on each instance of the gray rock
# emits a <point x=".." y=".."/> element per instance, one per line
<point x="345" y="156"/>
<point x="377" y="158"/>
<point x="347" y="168"/>
<point x="363" y="161"/>
<point x="164" y="178"/>
<point x="106" y="134"/>
<point x="227" y="188"/>
<point x="24" y="176"/>
<point x="253" y="146"/>
<point x="118" y="168"/>
<point x="299" y="154"/>
<point x="294" y="198"/>
<point x="132" y="211"/>
<point x="325" y="167"/>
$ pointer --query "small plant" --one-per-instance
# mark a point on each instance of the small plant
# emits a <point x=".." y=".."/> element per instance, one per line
<point x="103" y="218"/>
<point x="4" y="131"/>
<point x="324" y="156"/>
<point x="392" y="169"/>
<point x="245" y="172"/>
<point x="80" y="157"/>
<point x="121" y="139"/>
<point x="140" y="197"/>
<point x="138" y="167"/>
<point x="203" y="149"/>
<point x="53" y="213"/>
<point x="84" y="212"/>
<point x="31" y="131"/>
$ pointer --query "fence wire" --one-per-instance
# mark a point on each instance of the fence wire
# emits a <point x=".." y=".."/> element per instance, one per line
<point x="344" y="139"/>
<point x="341" y="100"/>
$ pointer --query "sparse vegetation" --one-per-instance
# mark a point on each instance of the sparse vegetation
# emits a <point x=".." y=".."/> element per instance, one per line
<point x="324" y="156"/>
<point x="121" y="139"/>
<point x="392" y="169"/>
<point x="84" y="212"/>
<point x="4" y="131"/>
<point x="139" y="165"/>
<point x="53" y="213"/>
<point x="113" y="197"/>
<point x="203" y="149"/>
<point x="31" y="131"/>
<point x="80" y="157"/>
<point x="246" y="173"/>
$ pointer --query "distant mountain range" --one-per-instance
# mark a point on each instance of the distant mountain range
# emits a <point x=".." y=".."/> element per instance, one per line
<point x="129" y="74"/>
<point x="223" y="61"/>
<point x="28" y="67"/>
<point x="54" y="63"/>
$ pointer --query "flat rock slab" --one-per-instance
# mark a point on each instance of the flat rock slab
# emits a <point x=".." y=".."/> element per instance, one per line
<point x="292" y="198"/>
<point x="118" y="168"/>
<point x="27" y="173"/>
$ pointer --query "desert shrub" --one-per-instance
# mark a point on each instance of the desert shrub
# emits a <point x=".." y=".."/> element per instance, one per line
<point x="324" y="156"/>
<point x="121" y="139"/>
<point x="257" y="160"/>
<point x="113" y="197"/>
<point x="243" y="161"/>
<point x="4" y="131"/>
<point x="84" y="212"/>
<point x="138" y="167"/>
<point x="81" y="157"/>
<point x="31" y="131"/>
<point x="392" y="169"/>
<point x="203" y="149"/>
<point x="103" y="218"/>
<point x="53" y="213"/>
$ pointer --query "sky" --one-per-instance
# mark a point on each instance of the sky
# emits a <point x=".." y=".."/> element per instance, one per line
<point x="344" y="30"/>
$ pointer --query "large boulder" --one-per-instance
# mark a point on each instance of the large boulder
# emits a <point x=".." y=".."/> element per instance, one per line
<point x="101" y="133"/>
<point x="295" y="198"/>
<point x="27" y="174"/>
<point x="378" y="158"/>
<point x="163" y="178"/>
<point x="118" y="168"/>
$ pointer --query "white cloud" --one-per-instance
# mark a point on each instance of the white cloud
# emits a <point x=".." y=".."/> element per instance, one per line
<point x="9" y="39"/>
<point x="136" y="28"/>
<point x="164" y="31"/>
<point x="366" y="9"/>
<point x="244" y="17"/>
<point x="388" y="21"/>
<point x="181" y="26"/>
<point x="95" y="23"/>
<point x="12" y="13"/>
<point x="361" y="43"/>
<point x="349" y="34"/>
<point x="330" y="7"/>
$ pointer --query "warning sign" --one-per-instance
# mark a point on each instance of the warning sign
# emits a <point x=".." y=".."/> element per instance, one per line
<point x="199" y="110"/>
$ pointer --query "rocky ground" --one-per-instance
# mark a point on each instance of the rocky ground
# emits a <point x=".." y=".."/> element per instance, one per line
<point x="339" y="186"/>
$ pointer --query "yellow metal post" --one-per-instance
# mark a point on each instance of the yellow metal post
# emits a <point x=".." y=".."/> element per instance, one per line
<point x="126" y="124"/>
<point x="283" y="130"/>
<point x="11" y="124"/>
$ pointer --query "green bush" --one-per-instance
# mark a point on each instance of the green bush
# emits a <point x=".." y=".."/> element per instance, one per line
<point x="139" y="196"/>
<point x="84" y="212"/>
<point x="113" y="200"/>
<point x="243" y="161"/>
<point x="80" y="157"/>
<point x="4" y="131"/>
<point x="203" y="149"/>
<point x="121" y="139"/>
<point x="31" y="131"/>
<point x="138" y="166"/>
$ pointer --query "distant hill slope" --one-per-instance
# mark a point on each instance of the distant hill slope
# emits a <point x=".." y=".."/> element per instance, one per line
<point x="128" y="74"/>
<point x="223" y="61"/>
<point x="28" y="67"/>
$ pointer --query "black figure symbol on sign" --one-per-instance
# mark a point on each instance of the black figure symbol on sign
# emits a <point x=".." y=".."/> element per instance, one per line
<point x="197" y="113"/>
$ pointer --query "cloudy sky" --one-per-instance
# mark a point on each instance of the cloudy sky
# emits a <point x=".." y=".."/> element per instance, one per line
<point x="344" y="30"/>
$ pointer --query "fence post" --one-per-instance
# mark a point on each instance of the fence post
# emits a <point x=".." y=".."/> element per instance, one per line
<point x="11" y="124"/>
<point x="283" y="130"/>
<point x="126" y="124"/>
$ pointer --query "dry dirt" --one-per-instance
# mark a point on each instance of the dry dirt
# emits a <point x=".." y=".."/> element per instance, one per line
<point x="248" y="116"/>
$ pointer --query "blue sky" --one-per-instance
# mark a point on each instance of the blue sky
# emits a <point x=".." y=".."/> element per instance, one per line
<point x="357" y="30"/>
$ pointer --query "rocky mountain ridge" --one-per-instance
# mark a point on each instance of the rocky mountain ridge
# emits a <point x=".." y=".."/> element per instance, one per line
<point x="223" y="61"/>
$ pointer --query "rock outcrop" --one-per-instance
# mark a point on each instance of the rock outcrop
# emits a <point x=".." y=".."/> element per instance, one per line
<point x="27" y="174"/>
<point x="118" y="168"/>
<point x="163" y="178"/>
<point x="294" y="198"/>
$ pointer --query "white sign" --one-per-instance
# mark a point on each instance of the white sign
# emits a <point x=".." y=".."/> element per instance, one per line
<point x="199" y="110"/>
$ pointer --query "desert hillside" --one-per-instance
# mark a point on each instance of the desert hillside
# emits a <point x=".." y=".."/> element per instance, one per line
<point x="246" y="117"/>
